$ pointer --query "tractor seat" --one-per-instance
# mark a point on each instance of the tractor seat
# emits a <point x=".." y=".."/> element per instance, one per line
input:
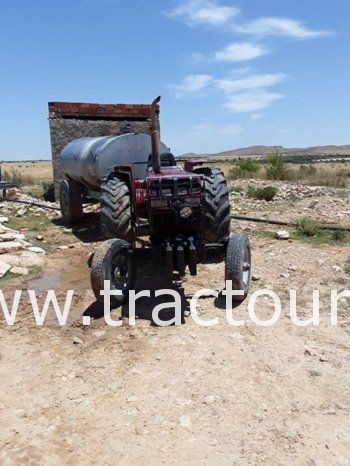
<point x="166" y="160"/>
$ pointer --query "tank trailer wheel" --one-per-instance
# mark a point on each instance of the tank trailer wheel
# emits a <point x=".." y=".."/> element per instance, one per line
<point x="70" y="202"/>
<point x="116" y="221"/>
<point x="216" y="205"/>
<point x="113" y="261"/>
<point x="238" y="263"/>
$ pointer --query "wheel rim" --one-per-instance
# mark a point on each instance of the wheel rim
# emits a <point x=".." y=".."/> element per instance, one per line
<point x="246" y="267"/>
<point x="120" y="272"/>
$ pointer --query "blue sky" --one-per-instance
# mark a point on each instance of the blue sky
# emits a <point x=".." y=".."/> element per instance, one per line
<point x="231" y="73"/>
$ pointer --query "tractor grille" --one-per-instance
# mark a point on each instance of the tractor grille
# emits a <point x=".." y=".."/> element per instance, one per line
<point x="175" y="187"/>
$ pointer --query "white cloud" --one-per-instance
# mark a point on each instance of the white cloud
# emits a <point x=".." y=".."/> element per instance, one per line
<point x="208" y="12"/>
<point x="251" y="82"/>
<point x="251" y="101"/>
<point x="244" y="70"/>
<point x="279" y="26"/>
<point x="245" y="94"/>
<point x="233" y="53"/>
<point x="256" y="116"/>
<point x="191" y="85"/>
<point x="250" y="94"/>
<point x="240" y="51"/>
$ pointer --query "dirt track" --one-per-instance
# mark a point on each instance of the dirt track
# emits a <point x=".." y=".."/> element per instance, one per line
<point x="189" y="394"/>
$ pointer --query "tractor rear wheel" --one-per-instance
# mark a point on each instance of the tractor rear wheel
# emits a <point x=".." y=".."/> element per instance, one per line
<point x="116" y="220"/>
<point x="70" y="202"/>
<point x="113" y="261"/>
<point x="216" y="205"/>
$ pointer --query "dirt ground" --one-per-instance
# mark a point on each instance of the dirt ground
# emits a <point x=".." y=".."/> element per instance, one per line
<point x="187" y="394"/>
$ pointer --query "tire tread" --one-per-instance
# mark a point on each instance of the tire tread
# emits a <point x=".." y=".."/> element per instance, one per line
<point x="116" y="218"/>
<point x="216" y="205"/>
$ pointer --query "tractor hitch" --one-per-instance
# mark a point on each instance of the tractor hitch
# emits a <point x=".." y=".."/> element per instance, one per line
<point x="181" y="252"/>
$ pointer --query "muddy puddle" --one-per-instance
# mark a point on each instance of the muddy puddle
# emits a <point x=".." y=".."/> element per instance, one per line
<point x="76" y="278"/>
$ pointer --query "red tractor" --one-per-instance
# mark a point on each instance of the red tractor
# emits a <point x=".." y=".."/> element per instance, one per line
<point x="185" y="212"/>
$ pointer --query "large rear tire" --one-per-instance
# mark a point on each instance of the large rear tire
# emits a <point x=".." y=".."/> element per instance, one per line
<point x="116" y="219"/>
<point x="70" y="202"/>
<point x="113" y="261"/>
<point x="216" y="205"/>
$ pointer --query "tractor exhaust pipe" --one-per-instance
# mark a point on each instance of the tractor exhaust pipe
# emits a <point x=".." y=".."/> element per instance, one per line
<point x="155" y="136"/>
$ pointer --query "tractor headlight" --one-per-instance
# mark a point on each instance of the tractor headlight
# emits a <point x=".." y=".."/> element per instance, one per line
<point x="186" y="212"/>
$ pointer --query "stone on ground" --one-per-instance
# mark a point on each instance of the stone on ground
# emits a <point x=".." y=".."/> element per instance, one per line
<point x="11" y="236"/>
<point x="10" y="246"/>
<point x="24" y="259"/>
<point x="37" y="250"/>
<point x="4" y="268"/>
<point x="19" y="271"/>
<point x="282" y="234"/>
<point x="13" y="194"/>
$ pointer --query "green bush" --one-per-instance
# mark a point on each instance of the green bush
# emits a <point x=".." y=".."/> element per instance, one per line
<point x="308" y="227"/>
<point x="268" y="193"/>
<point x="277" y="169"/>
<point x="244" y="168"/>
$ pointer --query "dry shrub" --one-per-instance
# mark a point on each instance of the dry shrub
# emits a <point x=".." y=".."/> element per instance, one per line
<point x="19" y="179"/>
<point x="321" y="176"/>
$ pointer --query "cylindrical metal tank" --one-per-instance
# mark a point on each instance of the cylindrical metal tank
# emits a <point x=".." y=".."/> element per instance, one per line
<point x="88" y="160"/>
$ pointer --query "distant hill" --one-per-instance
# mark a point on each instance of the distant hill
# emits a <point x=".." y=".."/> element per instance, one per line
<point x="259" y="151"/>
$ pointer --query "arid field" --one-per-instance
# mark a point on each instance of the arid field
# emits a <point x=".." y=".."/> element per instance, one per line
<point x="321" y="173"/>
<point x="35" y="170"/>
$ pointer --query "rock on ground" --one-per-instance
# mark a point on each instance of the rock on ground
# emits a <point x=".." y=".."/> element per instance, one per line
<point x="19" y="271"/>
<point x="10" y="246"/>
<point x="4" y="268"/>
<point x="282" y="234"/>
<point x="24" y="259"/>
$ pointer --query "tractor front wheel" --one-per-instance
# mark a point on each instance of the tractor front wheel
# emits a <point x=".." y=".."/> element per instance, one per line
<point x="70" y="202"/>
<point x="238" y="264"/>
<point x="113" y="261"/>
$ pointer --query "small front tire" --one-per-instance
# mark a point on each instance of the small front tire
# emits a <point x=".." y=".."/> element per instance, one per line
<point x="113" y="261"/>
<point x="238" y="264"/>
